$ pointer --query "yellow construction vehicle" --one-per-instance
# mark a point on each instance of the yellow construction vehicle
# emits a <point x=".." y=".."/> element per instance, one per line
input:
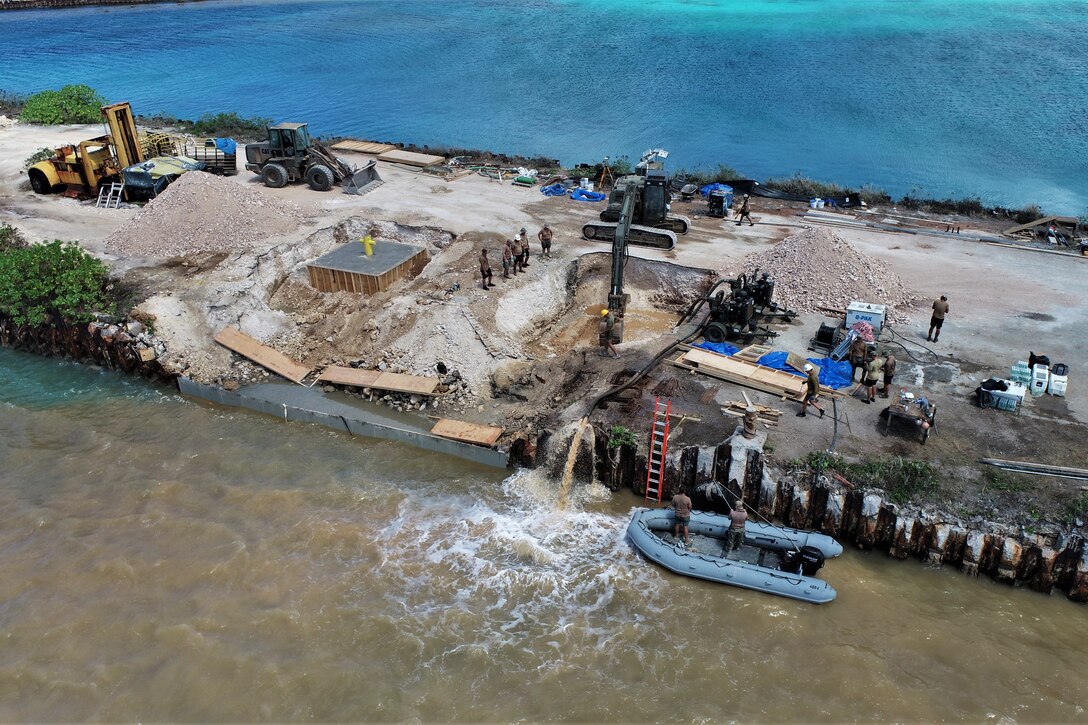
<point x="80" y="169"/>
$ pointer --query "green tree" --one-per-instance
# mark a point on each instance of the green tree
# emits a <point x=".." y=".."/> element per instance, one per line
<point x="71" y="104"/>
<point x="51" y="279"/>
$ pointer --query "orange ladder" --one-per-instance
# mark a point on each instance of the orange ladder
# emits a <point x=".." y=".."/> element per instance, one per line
<point x="659" y="443"/>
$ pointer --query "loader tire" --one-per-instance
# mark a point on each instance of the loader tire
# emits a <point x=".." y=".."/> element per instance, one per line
<point x="319" y="177"/>
<point x="39" y="183"/>
<point x="274" y="176"/>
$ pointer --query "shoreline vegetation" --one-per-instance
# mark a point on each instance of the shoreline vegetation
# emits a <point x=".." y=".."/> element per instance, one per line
<point x="248" y="129"/>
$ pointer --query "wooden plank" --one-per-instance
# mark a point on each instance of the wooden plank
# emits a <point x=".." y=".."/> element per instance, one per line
<point x="409" y="158"/>
<point x="394" y="382"/>
<point x="1030" y="225"/>
<point x="1027" y="467"/>
<point x="234" y="339"/>
<point x="750" y="374"/>
<point x="796" y="362"/>
<point x="401" y="383"/>
<point x="363" y="147"/>
<point x="356" y="377"/>
<point x="752" y="353"/>
<point x="460" y="430"/>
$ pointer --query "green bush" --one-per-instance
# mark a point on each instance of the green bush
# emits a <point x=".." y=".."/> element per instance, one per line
<point x="11" y="104"/>
<point x="621" y="436"/>
<point x="229" y="124"/>
<point x="11" y="238"/>
<point x="71" y="104"/>
<point x="39" y="155"/>
<point x="51" y="279"/>
<point x="701" y="177"/>
<point x="901" y="478"/>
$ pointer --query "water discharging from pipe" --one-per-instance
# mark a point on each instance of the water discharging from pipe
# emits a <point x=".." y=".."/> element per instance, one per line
<point x="568" y="469"/>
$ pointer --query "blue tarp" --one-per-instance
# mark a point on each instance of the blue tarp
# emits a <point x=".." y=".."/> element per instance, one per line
<point x="722" y="348"/>
<point x="715" y="187"/>
<point x="226" y="145"/>
<point x="553" y="190"/>
<point x="834" y="375"/>
<point x="580" y="194"/>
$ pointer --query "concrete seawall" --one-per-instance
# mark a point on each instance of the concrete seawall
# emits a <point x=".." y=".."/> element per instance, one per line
<point x="119" y="347"/>
<point x="1042" y="560"/>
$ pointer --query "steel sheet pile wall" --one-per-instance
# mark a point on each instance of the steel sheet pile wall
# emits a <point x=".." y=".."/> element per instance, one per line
<point x="1041" y="561"/>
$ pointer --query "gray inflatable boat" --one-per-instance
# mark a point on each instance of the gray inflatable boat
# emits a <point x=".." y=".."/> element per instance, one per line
<point x="774" y="559"/>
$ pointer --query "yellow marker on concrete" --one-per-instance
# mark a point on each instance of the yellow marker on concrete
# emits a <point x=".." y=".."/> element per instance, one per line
<point x="368" y="245"/>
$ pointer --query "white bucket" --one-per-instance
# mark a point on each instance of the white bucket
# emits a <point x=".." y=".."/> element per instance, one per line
<point x="812" y="203"/>
<point x="819" y="203"/>
<point x="589" y="186"/>
<point x="584" y="183"/>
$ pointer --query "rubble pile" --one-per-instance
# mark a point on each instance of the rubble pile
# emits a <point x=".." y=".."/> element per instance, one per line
<point x="816" y="268"/>
<point x="203" y="213"/>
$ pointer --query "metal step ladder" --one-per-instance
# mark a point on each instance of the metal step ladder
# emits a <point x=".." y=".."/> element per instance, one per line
<point x="109" y="196"/>
<point x="659" y="444"/>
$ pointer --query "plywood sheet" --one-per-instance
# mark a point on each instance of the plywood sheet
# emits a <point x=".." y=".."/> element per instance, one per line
<point x="410" y="158"/>
<point x="796" y="362"/>
<point x="394" y="382"/>
<point x="460" y="430"/>
<point x="363" y="147"/>
<point x="234" y="339"/>
<point x="349" y="376"/>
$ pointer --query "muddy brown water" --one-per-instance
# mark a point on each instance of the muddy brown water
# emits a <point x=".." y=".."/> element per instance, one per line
<point x="165" y="560"/>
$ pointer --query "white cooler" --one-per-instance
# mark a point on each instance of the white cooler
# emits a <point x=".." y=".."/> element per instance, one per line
<point x="1040" y="376"/>
<point x="1059" y="379"/>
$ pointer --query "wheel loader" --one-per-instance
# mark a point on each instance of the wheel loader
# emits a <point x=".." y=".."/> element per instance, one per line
<point x="291" y="154"/>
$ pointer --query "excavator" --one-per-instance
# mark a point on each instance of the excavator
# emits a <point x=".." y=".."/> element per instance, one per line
<point x="649" y="223"/>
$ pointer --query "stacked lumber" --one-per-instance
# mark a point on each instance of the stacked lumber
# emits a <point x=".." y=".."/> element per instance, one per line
<point x="745" y="373"/>
<point x="737" y="408"/>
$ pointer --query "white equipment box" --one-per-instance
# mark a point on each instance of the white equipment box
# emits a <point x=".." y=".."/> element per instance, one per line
<point x="865" y="312"/>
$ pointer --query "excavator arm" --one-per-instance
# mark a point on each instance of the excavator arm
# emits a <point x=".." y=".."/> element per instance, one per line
<point x="617" y="299"/>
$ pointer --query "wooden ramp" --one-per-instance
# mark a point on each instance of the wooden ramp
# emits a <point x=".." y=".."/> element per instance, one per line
<point x="395" y="382"/>
<point x="460" y="430"/>
<point x="746" y="373"/>
<point x="234" y="339"/>
<point x="410" y="158"/>
<point x="362" y="147"/>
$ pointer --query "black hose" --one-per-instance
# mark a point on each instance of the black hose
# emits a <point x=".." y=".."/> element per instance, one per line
<point x="933" y="356"/>
<point x="642" y="372"/>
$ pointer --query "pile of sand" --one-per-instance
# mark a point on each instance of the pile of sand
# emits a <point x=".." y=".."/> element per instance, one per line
<point x="203" y="213"/>
<point x="816" y="268"/>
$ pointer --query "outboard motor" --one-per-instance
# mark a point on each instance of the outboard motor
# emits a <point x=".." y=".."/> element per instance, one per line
<point x="812" y="560"/>
<point x="791" y="562"/>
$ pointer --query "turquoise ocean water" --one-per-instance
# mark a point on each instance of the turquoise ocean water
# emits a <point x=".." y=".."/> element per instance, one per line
<point x="969" y="97"/>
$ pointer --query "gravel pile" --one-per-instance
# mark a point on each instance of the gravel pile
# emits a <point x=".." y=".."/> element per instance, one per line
<point x="816" y="268"/>
<point x="203" y="213"/>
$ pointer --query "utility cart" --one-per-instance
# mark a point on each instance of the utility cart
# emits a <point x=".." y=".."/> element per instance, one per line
<point x="919" y="412"/>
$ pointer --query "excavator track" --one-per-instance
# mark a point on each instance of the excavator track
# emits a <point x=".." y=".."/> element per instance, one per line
<point x="637" y="236"/>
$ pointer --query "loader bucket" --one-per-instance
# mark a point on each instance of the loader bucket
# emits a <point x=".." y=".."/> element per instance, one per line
<point x="363" y="179"/>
